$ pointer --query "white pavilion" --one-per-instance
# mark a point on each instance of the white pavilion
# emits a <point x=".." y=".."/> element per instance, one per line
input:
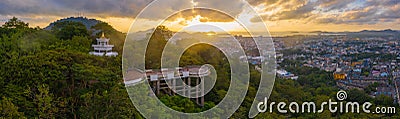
<point x="102" y="48"/>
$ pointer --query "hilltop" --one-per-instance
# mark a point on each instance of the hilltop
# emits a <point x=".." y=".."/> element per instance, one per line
<point x="89" y="23"/>
<point x="95" y="27"/>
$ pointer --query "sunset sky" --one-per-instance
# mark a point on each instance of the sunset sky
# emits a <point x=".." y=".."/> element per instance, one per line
<point x="278" y="15"/>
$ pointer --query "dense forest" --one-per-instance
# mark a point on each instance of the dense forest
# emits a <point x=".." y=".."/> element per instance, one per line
<point x="50" y="74"/>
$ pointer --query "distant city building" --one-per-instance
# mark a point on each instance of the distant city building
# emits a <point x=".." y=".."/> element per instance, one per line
<point x="103" y="48"/>
<point x="285" y="74"/>
<point x="339" y="74"/>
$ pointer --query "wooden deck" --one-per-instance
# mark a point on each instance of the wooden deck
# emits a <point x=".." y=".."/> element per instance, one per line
<point x="158" y="80"/>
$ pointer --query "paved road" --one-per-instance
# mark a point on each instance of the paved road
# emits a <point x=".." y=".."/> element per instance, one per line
<point x="397" y="90"/>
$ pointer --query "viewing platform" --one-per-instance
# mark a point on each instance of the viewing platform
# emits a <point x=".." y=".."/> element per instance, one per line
<point x="159" y="80"/>
<point x="134" y="75"/>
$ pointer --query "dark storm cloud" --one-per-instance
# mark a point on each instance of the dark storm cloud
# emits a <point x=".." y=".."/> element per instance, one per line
<point x="318" y="11"/>
<point x="108" y="8"/>
<point x="258" y="2"/>
<point x="371" y="12"/>
<point x="288" y="9"/>
<point x="300" y="12"/>
<point x="104" y="8"/>
<point x="171" y="7"/>
<point x="329" y="5"/>
<point x="231" y="7"/>
<point x="381" y="2"/>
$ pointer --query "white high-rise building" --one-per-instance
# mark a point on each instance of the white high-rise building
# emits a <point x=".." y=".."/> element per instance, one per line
<point x="102" y="48"/>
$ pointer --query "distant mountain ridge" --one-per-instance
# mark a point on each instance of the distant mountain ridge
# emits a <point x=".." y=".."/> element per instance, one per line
<point x="386" y="30"/>
<point x="374" y="33"/>
<point x="85" y="21"/>
<point x="365" y="33"/>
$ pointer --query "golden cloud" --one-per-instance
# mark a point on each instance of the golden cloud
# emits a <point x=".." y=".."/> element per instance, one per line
<point x="206" y="15"/>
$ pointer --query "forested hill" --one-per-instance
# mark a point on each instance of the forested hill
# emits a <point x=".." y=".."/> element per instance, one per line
<point x="85" y="21"/>
<point x="50" y="74"/>
<point x="94" y="29"/>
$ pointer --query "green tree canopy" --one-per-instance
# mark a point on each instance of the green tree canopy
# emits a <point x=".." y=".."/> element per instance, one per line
<point x="68" y="29"/>
<point x="15" y="23"/>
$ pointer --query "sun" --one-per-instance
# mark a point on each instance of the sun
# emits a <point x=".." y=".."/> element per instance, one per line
<point x="194" y="21"/>
<point x="211" y="33"/>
